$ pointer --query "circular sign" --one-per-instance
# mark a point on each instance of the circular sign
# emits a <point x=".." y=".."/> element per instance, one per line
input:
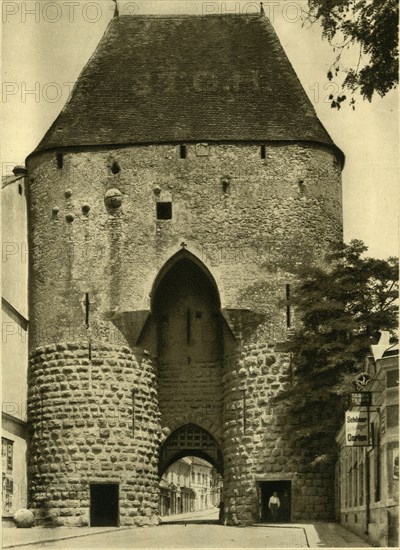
<point x="362" y="380"/>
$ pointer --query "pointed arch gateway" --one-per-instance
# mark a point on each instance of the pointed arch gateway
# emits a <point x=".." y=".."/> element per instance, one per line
<point x="181" y="257"/>
<point x="189" y="328"/>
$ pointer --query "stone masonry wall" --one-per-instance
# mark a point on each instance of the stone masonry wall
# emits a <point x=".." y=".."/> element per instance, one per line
<point x="257" y="445"/>
<point x="96" y="248"/>
<point x="86" y="427"/>
<point x="250" y="220"/>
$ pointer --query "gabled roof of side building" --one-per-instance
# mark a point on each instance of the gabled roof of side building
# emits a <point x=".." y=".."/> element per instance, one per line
<point x="163" y="79"/>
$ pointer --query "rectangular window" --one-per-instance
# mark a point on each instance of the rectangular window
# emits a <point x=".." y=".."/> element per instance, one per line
<point x="355" y="502"/>
<point x="350" y="477"/>
<point x="377" y="453"/>
<point x="164" y="210"/>
<point x="263" y="152"/>
<point x="182" y="151"/>
<point x="344" y="478"/>
<point x="392" y="378"/>
<point x="7" y="470"/>
<point x="392" y="416"/>
<point x="60" y="160"/>
<point x="7" y="454"/>
<point x="362" y="481"/>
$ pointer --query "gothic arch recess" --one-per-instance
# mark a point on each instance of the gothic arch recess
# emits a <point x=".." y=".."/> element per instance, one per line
<point x="175" y="259"/>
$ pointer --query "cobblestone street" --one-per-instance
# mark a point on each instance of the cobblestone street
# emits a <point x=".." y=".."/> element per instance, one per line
<point x="195" y="530"/>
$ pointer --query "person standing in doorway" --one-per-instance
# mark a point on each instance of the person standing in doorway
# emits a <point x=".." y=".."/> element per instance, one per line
<point x="274" y="504"/>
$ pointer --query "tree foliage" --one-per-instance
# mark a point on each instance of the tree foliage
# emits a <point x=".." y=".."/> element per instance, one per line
<point x="341" y="310"/>
<point x="370" y="25"/>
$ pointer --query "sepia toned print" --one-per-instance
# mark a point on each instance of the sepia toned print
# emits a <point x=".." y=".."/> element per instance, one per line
<point x="184" y="183"/>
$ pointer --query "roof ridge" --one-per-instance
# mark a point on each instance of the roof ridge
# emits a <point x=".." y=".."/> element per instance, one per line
<point x="178" y="78"/>
<point x="186" y="15"/>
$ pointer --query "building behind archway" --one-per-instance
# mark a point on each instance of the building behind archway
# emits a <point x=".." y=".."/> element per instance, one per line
<point x="190" y="484"/>
<point x="168" y="213"/>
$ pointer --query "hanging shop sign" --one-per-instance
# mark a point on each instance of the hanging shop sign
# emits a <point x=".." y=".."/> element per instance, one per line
<point x="357" y="429"/>
<point x="361" y="399"/>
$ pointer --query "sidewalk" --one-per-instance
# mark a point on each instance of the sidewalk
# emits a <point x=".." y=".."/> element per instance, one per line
<point x="317" y="535"/>
<point x="324" y="534"/>
<point x="332" y="535"/>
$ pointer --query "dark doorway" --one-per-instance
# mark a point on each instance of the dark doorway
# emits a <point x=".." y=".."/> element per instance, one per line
<point x="284" y="492"/>
<point x="104" y="505"/>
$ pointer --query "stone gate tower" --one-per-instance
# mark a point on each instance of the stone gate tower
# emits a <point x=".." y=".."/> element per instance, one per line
<point x="169" y="204"/>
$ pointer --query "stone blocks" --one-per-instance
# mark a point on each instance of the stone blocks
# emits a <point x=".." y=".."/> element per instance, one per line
<point x="91" y="441"/>
<point x="96" y="265"/>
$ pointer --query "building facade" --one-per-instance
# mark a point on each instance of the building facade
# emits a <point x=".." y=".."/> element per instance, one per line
<point x="202" y="484"/>
<point x="368" y="477"/>
<point x="168" y="214"/>
<point x="188" y="485"/>
<point x="14" y="342"/>
<point x="176" y="495"/>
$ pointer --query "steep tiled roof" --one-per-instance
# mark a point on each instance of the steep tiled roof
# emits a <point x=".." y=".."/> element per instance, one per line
<point x="186" y="78"/>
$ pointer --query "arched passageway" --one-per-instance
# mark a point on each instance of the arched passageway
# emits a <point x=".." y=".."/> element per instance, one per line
<point x="188" y="329"/>
<point x="190" y="469"/>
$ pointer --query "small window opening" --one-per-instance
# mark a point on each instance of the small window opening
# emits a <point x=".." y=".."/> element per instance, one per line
<point x="263" y="152"/>
<point x="182" y="151"/>
<point x="288" y="310"/>
<point x="133" y="412"/>
<point x="87" y="308"/>
<point x="198" y="314"/>
<point x="164" y="210"/>
<point x="225" y="184"/>
<point x="60" y="160"/>
<point x="115" y="168"/>
<point x="20" y="189"/>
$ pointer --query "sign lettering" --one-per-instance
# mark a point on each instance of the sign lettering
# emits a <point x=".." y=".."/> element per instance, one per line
<point x="357" y="429"/>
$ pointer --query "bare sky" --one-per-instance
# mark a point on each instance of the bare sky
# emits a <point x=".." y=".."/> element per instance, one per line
<point x="46" y="43"/>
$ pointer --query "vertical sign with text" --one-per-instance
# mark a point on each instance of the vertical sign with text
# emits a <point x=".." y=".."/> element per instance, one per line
<point x="357" y="429"/>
